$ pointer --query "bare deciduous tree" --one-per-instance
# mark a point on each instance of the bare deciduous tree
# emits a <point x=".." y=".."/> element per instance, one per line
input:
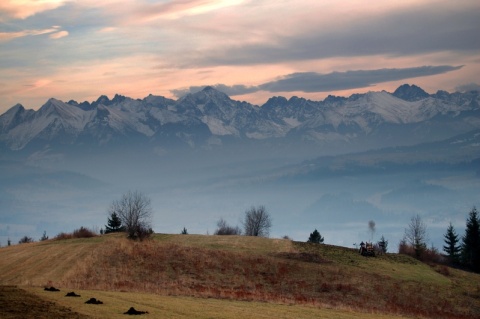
<point x="135" y="212"/>
<point x="257" y="222"/>
<point x="416" y="235"/>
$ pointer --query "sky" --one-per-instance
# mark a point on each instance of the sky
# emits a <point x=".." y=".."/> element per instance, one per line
<point x="251" y="50"/>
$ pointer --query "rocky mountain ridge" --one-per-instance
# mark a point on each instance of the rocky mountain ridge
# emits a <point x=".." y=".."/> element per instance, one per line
<point x="210" y="119"/>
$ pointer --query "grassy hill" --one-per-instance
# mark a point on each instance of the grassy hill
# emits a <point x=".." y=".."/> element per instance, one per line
<point x="204" y="272"/>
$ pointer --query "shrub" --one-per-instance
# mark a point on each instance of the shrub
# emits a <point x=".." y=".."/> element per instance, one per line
<point x="224" y="229"/>
<point x="26" y="239"/>
<point x="82" y="232"/>
<point x="62" y="236"/>
<point x="429" y="255"/>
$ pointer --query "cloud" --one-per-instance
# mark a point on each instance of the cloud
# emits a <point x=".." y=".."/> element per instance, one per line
<point x="177" y="9"/>
<point x="6" y="36"/>
<point x="468" y="87"/>
<point x="407" y="31"/>
<point x="335" y="81"/>
<point x="53" y="31"/>
<point x="26" y="8"/>
<point x="58" y="35"/>
<point x="38" y="84"/>
<point x="230" y="90"/>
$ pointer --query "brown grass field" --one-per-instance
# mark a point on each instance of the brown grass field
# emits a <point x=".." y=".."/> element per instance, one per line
<point x="201" y="276"/>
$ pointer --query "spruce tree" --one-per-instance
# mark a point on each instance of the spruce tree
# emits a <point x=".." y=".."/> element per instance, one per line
<point x="471" y="242"/>
<point x="114" y="224"/>
<point x="383" y="244"/>
<point x="452" y="247"/>
<point x="315" y="237"/>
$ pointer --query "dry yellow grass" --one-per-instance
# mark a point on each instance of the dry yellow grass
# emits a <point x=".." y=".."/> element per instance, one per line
<point x="158" y="306"/>
<point x="237" y="269"/>
<point x="42" y="262"/>
<point x="246" y="244"/>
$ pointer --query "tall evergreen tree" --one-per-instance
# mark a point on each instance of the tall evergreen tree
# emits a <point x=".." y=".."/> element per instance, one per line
<point x="315" y="237"/>
<point x="471" y="242"/>
<point x="114" y="224"/>
<point x="452" y="247"/>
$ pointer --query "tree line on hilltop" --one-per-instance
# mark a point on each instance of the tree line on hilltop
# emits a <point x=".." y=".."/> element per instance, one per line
<point x="132" y="214"/>
<point x="459" y="251"/>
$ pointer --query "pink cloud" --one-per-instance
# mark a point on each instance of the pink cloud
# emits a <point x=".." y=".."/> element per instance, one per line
<point x="26" y="8"/>
<point x="7" y="36"/>
<point x="58" y="35"/>
<point x="177" y="9"/>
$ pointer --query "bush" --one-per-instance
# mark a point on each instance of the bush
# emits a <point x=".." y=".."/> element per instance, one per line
<point x="224" y="229"/>
<point x="406" y="249"/>
<point x="62" y="236"/>
<point x="25" y="240"/>
<point x="429" y="255"/>
<point x="82" y="232"/>
<point x="432" y="255"/>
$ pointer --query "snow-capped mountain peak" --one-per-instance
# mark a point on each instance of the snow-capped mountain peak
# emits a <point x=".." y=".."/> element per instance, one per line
<point x="408" y="115"/>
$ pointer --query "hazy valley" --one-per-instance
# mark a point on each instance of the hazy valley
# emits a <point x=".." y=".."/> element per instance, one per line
<point x="331" y="165"/>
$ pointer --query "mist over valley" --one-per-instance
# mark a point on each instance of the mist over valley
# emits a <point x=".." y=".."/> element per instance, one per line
<point x="332" y="165"/>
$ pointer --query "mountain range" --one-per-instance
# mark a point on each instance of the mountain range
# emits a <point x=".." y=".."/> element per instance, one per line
<point x="333" y="164"/>
<point x="209" y="119"/>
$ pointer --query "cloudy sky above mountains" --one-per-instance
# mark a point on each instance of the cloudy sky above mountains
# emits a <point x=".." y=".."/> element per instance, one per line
<point x="81" y="49"/>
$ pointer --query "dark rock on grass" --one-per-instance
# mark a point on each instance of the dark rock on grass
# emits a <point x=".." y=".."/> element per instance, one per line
<point x="51" y="289"/>
<point x="72" y="294"/>
<point x="133" y="311"/>
<point x="94" y="301"/>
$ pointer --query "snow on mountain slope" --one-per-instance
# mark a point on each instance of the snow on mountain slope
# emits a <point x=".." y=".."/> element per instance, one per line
<point x="52" y="118"/>
<point x="218" y="127"/>
<point x="387" y="107"/>
<point x="17" y="114"/>
<point x="204" y="116"/>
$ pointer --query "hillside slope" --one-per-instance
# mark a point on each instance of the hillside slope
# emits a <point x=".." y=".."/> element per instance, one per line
<point x="248" y="269"/>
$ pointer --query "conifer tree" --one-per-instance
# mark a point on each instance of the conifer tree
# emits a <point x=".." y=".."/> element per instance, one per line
<point x="44" y="236"/>
<point x="452" y="247"/>
<point x="383" y="244"/>
<point x="315" y="237"/>
<point x="114" y="224"/>
<point x="471" y="242"/>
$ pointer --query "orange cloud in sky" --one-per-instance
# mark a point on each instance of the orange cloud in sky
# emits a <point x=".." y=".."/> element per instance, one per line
<point x="21" y="9"/>
<point x="137" y="47"/>
<point x="177" y="9"/>
<point x="54" y="33"/>
<point x="58" y="35"/>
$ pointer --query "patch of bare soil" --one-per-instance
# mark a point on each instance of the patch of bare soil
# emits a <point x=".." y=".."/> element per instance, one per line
<point x="18" y="303"/>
